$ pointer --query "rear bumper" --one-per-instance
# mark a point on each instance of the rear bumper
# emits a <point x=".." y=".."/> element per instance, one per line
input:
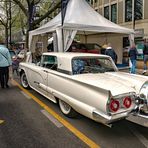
<point x="107" y="119"/>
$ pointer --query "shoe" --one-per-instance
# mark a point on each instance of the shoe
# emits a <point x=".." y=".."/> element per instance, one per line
<point x="7" y="86"/>
<point x="2" y="86"/>
<point x="144" y="72"/>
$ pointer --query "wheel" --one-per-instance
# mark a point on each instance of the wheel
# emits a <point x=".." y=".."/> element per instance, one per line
<point x="66" y="109"/>
<point x="24" y="81"/>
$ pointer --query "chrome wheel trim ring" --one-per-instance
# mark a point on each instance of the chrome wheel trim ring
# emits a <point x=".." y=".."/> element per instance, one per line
<point x="65" y="108"/>
<point x="24" y="81"/>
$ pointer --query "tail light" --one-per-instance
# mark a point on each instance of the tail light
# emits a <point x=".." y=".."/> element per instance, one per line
<point x="114" y="105"/>
<point x="127" y="102"/>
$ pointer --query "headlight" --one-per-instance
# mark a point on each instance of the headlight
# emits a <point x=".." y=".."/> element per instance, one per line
<point x="144" y="91"/>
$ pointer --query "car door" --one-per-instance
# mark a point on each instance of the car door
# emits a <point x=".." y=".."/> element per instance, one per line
<point x="37" y="76"/>
<point x="50" y="65"/>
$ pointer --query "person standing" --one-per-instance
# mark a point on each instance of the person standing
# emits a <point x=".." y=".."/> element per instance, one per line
<point x="145" y="55"/>
<point x="110" y="52"/>
<point x="5" y="66"/>
<point x="133" y="57"/>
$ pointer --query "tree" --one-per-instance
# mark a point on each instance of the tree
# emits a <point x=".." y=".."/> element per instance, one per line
<point x="28" y="7"/>
<point x="4" y="19"/>
<point x="7" y="21"/>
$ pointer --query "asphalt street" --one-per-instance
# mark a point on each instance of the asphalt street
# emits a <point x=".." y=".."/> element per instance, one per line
<point x="28" y="123"/>
<point x="25" y="125"/>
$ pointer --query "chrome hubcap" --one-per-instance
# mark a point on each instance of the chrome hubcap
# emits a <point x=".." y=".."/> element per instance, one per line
<point x="66" y="108"/>
<point x="24" y="80"/>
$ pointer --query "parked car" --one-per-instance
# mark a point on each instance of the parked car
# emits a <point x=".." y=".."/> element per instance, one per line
<point x="85" y="48"/>
<point x="89" y="84"/>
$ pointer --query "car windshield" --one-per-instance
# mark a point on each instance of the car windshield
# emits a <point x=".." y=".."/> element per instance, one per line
<point x="92" y="65"/>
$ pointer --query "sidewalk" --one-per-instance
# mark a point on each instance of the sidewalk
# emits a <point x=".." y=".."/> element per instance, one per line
<point x="138" y="71"/>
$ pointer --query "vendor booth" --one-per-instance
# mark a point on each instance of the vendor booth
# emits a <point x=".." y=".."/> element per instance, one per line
<point x="82" y="19"/>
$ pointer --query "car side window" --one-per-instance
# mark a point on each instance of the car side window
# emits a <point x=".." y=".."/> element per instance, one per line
<point x="49" y="62"/>
<point x="77" y="66"/>
<point x="91" y="65"/>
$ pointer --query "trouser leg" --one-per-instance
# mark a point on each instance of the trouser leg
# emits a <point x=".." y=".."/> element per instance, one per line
<point x="133" y="68"/>
<point x="6" y="75"/>
<point x="145" y="61"/>
<point x="2" y="78"/>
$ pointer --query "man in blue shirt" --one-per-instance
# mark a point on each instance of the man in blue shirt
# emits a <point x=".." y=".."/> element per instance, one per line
<point x="110" y="52"/>
<point x="133" y="57"/>
<point x="5" y="65"/>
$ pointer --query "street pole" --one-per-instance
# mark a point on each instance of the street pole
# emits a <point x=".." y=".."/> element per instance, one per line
<point x="133" y="13"/>
<point x="6" y="28"/>
<point x="133" y="21"/>
<point x="10" y="20"/>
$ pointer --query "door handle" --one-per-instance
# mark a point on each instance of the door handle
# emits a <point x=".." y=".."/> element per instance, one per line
<point x="46" y="71"/>
<point x="36" y="82"/>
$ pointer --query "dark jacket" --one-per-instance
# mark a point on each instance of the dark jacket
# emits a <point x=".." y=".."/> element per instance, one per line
<point x="110" y="52"/>
<point x="145" y="49"/>
<point x="133" y="53"/>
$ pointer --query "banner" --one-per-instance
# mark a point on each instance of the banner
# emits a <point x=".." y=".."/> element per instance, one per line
<point x="63" y="9"/>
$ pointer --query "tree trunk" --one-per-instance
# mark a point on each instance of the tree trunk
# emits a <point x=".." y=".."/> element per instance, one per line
<point x="27" y="39"/>
<point x="6" y="35"/>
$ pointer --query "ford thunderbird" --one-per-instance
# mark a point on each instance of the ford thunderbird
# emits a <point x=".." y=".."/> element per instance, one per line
<point x="89" y="84"/>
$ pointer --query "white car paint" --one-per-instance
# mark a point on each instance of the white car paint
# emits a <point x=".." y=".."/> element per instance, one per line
<point x="87" y="93"/>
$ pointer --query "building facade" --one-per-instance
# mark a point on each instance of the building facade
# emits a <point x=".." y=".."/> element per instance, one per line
<point x="127" y="13"/>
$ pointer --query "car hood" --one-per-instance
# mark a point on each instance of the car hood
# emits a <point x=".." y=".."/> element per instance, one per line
<point x="116" y="82"/>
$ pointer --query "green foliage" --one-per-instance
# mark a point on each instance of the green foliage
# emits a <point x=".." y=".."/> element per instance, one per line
<point x="23" y="17"/>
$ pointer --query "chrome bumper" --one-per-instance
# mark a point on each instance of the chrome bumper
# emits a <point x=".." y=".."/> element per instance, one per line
<point x="108" y="119"/>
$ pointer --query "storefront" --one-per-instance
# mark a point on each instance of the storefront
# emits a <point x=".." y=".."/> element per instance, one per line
<point x="139" y="35"/>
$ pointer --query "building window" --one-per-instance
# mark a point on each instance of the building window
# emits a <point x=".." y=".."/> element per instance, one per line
<point x="128" y="10"/>
<point x="114" y="13"/>
<point x="138" y="12"/>
<point x="106" y="12"/>
<point x="138" y="9"/>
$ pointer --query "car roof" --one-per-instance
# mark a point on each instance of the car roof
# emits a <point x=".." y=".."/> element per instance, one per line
<point x="64" y="58"/>
<point x="70" y="55"/>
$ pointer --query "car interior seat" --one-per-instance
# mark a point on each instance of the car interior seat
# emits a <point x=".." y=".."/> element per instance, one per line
<point x="78" y="66"/>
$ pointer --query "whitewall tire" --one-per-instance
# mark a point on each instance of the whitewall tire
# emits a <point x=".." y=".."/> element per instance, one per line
<point x="67" y="109"/>
<point x="24" y="81"/>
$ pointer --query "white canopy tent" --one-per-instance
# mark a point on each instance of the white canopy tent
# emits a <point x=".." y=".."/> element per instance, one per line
<point x="80" y="17"/>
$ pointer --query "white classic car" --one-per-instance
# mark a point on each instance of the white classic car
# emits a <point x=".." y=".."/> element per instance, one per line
<point x="89" y="84"/>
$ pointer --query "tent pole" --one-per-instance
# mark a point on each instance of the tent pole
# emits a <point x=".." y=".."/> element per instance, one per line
<point x="62" y="40"/>
<point x="63" y="13"/>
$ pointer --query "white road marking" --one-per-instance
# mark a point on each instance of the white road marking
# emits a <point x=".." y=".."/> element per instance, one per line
<point x="52" y="119"/>
<point x="1" y="121"/>
<point x="27" y="96"/>
<point x="143" y="140"/>
<point x="146" y="124"/>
